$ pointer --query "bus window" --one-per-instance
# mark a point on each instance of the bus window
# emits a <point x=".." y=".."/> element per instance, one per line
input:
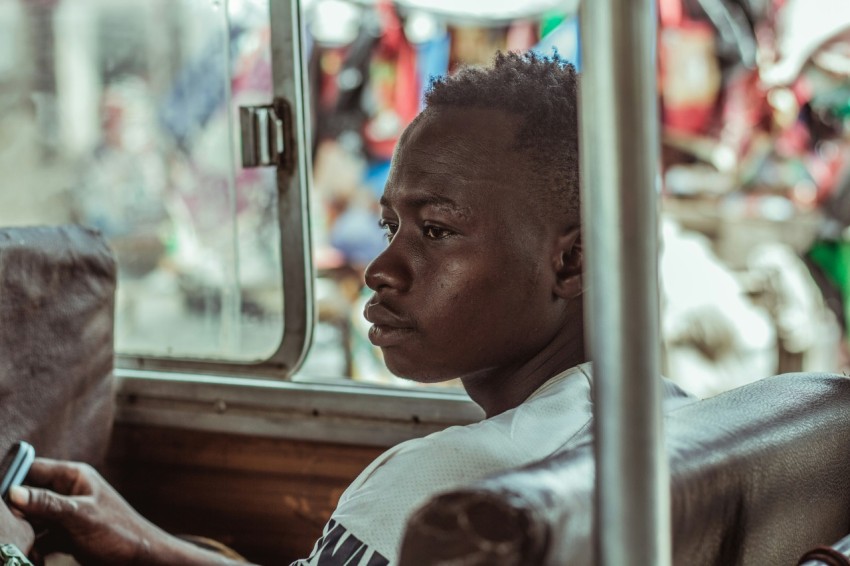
<point x="127" y="121"/>
<point x="123" y="120"/>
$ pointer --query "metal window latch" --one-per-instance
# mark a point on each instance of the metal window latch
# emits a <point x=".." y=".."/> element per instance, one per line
<point x="262" y="136"/>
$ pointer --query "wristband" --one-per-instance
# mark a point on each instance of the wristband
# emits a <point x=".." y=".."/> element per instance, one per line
<point x="10" y="555"/>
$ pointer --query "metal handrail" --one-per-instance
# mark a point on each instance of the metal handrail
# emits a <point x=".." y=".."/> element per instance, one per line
<point x="620" y="148"/>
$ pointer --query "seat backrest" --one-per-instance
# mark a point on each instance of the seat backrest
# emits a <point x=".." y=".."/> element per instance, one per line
<point x="57" y="287"/>
<point x="759" y="475"/>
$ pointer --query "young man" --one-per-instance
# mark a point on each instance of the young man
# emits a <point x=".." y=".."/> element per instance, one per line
<point x="481" y="279"/>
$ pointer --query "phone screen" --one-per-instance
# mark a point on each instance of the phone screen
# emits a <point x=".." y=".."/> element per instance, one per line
<point x="16" y="463"/>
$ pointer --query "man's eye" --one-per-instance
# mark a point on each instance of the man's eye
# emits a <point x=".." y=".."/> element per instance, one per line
<point x="389" y="227"/>
<point x="436" y="233"/>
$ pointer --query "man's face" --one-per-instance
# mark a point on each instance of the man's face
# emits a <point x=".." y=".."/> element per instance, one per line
<point x="465" y="283"/>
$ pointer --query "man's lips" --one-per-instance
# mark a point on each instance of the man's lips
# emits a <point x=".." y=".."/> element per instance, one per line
<point x="388" y="328"/>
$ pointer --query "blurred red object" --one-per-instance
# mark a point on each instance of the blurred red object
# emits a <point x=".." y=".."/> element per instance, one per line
<point x="689" y="74"/>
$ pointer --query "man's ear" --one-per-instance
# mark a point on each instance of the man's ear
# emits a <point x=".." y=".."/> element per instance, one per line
<point x="569" y="260"/>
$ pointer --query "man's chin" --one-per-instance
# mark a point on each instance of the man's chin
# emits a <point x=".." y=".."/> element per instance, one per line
<point x="417" y="372"/>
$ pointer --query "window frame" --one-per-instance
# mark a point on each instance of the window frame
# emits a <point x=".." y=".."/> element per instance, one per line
<point x="292" y="181"/>
<point x="339" y="412"/>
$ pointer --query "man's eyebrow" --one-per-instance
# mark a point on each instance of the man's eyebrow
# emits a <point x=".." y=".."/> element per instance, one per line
<point x="420" y="201"/>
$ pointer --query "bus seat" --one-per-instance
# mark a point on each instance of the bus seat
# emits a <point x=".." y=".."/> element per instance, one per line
<point x="759" y="475"/>
<point x="57" y="287"/>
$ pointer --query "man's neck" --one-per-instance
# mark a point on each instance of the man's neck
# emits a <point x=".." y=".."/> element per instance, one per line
<point x="500" y="389"/>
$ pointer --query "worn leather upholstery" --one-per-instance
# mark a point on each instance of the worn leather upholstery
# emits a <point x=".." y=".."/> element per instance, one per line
<point x="57" y="288"/>
<point x="760" y="475"/>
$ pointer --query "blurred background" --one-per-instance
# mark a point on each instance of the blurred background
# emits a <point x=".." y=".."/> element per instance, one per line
<point x="124" y="116"/>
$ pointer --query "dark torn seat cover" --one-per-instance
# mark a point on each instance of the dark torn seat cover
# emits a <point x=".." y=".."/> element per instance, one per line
<point x="57" y="288"/>
<point x="759" y="475"/>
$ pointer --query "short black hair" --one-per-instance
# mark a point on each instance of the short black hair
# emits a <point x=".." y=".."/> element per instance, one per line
<point x="543" y="92"/>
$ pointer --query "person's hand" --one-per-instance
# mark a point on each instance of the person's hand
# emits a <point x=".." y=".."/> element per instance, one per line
<point x="84" y="515"/>
<point x="15" y="530"/>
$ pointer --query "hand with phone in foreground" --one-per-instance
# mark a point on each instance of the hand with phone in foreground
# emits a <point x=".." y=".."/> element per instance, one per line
<point x="88" y="519"/>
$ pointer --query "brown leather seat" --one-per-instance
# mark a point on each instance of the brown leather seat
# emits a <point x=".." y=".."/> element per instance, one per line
<point x="760" y="475"/>
<point x="57" y="287"/>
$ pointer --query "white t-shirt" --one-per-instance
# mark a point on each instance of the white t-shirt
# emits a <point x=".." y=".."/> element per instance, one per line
<point x="368" y="524"/>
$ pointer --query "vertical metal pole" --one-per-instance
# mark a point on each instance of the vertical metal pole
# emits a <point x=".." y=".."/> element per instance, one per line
<point x="619" y="137"/>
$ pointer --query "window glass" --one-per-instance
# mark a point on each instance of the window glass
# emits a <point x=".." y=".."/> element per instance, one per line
<point x="123" y="116"/>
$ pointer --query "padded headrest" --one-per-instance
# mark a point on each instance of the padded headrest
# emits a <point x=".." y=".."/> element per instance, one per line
<point x="57" y="288"/>
<point x="759" y="475"/>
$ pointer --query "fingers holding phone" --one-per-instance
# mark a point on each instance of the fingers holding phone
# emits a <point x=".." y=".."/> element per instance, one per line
<point x="15" y="466"/>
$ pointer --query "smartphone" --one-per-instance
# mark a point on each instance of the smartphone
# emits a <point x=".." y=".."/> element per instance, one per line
<point x="16" y="464"/>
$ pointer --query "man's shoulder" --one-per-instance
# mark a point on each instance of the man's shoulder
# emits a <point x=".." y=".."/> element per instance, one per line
<point x="378" y="503"/>
<point x="438" y="447"/>
<point x="534" y="429"/>
<point x="376" y="506"/>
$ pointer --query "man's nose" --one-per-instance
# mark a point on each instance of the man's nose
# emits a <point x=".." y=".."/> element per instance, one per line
<point x="390" y="270"/>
